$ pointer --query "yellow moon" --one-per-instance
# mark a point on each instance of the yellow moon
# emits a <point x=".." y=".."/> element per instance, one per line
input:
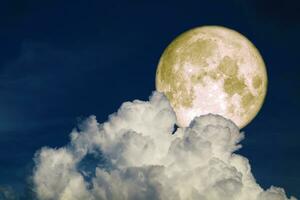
<point x="212" y="69"/>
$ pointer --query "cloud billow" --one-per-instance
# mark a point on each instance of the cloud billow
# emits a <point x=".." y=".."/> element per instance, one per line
<point x="135" y="155"/>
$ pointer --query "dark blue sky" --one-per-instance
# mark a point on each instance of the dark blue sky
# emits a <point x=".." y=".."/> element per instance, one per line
<point x="62" y="61"/>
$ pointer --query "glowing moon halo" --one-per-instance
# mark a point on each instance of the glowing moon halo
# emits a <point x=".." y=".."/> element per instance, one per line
<point x="212" y="69"/>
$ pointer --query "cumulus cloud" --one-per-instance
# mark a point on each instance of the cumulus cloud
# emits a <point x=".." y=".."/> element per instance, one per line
<point x="137" y="155"/>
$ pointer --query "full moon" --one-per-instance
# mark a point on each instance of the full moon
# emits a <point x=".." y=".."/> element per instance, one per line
<point x="212" y="69"/>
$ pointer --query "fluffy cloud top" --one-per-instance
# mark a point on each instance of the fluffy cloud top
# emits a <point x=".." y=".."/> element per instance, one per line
<point x="135" y="155"/>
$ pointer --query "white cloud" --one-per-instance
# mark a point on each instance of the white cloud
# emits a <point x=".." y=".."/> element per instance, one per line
<point x="136" y="156"/>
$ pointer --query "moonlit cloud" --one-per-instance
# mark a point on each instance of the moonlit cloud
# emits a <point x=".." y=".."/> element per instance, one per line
<point x="135" y="155"/>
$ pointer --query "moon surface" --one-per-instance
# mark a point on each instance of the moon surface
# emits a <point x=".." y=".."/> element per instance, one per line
<point x="212" y="69"/>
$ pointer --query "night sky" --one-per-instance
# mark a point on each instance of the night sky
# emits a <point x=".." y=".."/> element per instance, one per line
<point x="62" y="61"/>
